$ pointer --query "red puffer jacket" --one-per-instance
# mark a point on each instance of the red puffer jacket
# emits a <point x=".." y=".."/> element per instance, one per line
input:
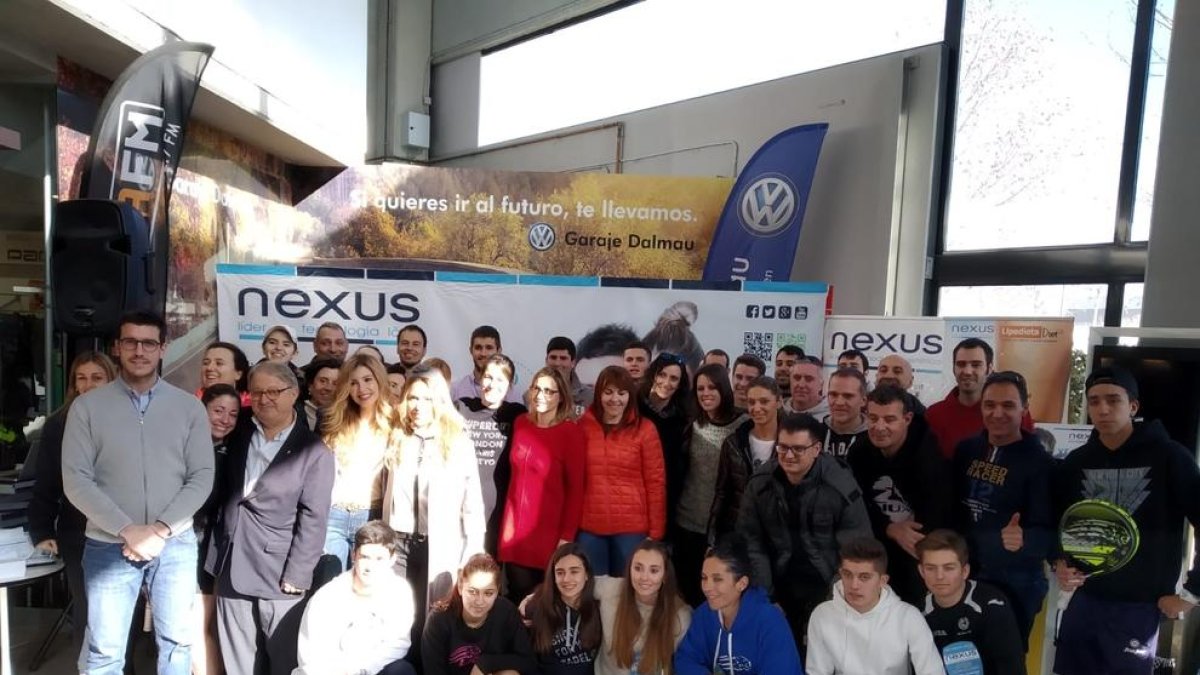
<point x="625" y="482"/>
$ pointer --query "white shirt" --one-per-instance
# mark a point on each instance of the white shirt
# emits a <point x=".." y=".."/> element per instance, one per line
<point x="343" y="632"/>
<point x="761" y="451"/>
<point x="882" y="641"/>
<point x="261" y="453"/>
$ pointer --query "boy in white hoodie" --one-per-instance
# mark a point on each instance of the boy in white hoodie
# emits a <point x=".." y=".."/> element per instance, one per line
<point x="866" y="629"/>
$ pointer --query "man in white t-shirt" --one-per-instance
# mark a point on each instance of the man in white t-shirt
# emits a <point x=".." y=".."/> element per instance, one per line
<point x="359" y="623"/>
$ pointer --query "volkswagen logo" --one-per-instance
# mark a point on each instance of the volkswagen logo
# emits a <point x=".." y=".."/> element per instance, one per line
<point x="768" y="205"/>
<point x="541" y="236"/>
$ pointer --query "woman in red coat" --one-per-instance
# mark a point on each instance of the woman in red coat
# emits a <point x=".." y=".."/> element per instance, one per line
<point x="545" y="491"/>
<point x="625" y="484"/>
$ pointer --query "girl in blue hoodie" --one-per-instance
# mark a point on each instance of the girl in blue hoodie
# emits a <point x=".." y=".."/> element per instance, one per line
<point x="738" y="630"/>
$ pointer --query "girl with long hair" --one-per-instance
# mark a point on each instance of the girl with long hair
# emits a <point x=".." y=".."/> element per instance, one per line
<point x="225" y="363"/>
<point x="544" y="499"/>
<point x="55" y="526"/>
<point x="223" y="403"/>
<point x="474" y="630"/>
<point x="665" y="399"/>
<point x="625" y="486"/>
<point x="715" y="420"/>
<point x="357" y="427"/>
<point x="642" y="615"/>
<point x="737" y="630"/>
<point x="750" y="446"/>
<point x="432" y="497"/>
<point x="564" y="615"/>
<point x="489" y="418"/>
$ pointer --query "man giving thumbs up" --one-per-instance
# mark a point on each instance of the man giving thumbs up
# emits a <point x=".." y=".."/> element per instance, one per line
<point x="1003" y="479"/>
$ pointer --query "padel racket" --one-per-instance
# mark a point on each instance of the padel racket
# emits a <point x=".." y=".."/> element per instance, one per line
<point x="1098" y="536"/>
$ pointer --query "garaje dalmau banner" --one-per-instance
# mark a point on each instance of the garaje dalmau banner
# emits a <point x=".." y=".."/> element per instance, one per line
<point x="1038" y="348"/>
<point x="601" y="315"/>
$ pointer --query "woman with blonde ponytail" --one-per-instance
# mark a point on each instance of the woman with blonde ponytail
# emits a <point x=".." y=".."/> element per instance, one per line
<point x="357" y="427"/>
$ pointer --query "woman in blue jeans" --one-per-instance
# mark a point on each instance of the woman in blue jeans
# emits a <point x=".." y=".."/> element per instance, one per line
<point x="356" y="428"/>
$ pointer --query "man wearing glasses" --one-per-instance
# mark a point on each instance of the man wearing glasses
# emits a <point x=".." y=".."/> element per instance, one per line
<point x="274" y="507"/>
<point x="1003" y="482"/>
<point x="797" y="511"/>
<point x="138" y="463"/>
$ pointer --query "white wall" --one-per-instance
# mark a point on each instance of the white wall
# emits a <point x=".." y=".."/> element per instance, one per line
<point x="464" y="26"/>
<point x="1169" y="300"/>
<point x="867" y="227"/>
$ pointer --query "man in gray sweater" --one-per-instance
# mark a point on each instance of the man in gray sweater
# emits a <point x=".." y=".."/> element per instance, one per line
<point x="138" y="463"/>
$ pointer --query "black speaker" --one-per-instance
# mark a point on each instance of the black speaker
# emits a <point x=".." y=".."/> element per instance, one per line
<point x="99" y="265"/>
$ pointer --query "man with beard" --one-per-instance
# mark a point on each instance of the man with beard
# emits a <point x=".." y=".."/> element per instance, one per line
<point x="905" y="482"/>
<point x="785" y="358"/>
<point x="958" y="416"/>
<point x="485" y="342"/>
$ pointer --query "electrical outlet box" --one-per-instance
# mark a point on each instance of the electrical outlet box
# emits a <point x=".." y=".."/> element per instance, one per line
<point x="414" y="130"/>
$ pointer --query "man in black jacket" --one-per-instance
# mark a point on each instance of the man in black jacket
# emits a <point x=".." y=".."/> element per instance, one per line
<point x="971" y="621"/>
<point x="905" y="483"/>
<point x="1111" y="623"/>
<point x="797" y="512"/>
<point x="271" y="530"/>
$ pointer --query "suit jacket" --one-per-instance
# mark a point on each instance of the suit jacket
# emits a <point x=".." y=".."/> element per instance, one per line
<point x="277" y="532"/>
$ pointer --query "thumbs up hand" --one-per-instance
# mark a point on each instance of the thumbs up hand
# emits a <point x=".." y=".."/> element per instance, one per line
<point x="1012" y="535"/>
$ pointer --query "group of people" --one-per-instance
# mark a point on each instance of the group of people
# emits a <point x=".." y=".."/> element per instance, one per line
<point x="355" y="516"/>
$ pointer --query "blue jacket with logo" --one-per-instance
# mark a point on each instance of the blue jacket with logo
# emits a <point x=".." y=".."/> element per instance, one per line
<point x="758" y="643"/>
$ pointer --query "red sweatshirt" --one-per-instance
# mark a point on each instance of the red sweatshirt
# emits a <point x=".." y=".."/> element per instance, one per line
<point x="545" y="495"/>
<point x="951" y="421"/>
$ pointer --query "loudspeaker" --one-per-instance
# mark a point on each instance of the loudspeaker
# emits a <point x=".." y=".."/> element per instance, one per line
<point x="99" y="266"/>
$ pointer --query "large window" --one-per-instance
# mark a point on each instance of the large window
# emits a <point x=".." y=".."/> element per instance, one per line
<point x="1040" y="122"/>
<point x="660" y="51"/>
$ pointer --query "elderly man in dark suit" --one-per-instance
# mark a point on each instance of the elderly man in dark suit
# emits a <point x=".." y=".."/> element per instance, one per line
<point x="275" y="503"/>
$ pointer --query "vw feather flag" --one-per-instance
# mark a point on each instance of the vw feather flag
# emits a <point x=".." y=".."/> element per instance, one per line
<point x="756" y="237"/>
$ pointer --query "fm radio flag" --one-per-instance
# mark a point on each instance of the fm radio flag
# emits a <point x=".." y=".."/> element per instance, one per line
<point x="138" y="139"/>
<point x="759" y="229"/>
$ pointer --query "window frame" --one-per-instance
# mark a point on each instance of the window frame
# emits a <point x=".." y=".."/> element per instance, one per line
<point x="1114" y="264"/>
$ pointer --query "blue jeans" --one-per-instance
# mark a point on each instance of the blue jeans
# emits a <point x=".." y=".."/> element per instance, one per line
<point x="113" y="584"/>
<point x="609" y="554"/>
<point x="339" y="532"/>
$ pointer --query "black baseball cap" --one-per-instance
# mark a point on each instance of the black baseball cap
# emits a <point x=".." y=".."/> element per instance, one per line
<point x="1113" y="375"/>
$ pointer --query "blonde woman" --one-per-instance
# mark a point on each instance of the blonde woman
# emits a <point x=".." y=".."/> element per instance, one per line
<point x="432" y="498"/>
<point x="357" y="427"/>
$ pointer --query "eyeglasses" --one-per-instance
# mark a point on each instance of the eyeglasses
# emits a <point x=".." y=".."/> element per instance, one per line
<point x="544" y="391"/>
<point x="793" y="450"/>
<point x="269" y="394"/>
<point x="132" y="344"/>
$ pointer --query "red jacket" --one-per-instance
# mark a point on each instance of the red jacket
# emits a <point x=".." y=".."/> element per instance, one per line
<point x="952" y="422"/>
<point x="545" y="494"/>
<point x="625" y="486"/>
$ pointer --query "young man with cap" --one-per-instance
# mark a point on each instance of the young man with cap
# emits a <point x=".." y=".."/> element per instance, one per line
<point x="958" y="416"/>
<point x="1111" y="624"/>
<point x="1002" y="478"/>
<point x="971" y="621"/>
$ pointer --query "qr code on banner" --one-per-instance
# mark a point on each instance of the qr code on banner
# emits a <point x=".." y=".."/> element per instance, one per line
<point x="761" y="345"/>
<point x="797" y="339"/>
